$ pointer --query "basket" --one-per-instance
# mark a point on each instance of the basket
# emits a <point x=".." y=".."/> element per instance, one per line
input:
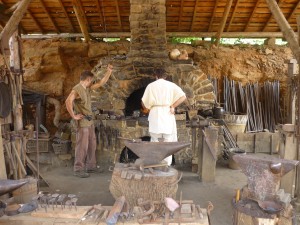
<point x="44" y="145"/>
<point x="61" y="148"/>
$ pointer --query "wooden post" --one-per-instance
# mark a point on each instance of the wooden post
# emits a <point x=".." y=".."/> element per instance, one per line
<point x="223" y="22"/>
<point x="285" y="27"/>
<point x="81" y="20"/>
<point x="13" y="23"/>
<point x="3" y="174"/>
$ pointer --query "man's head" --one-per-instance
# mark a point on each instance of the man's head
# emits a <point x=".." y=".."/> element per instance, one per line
<point x="160" y="73"/>
<point x="87" y="77"/>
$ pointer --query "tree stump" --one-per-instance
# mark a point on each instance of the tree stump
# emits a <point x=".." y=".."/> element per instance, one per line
<point x="134" y="185"/>
<point x="247" y="212"/>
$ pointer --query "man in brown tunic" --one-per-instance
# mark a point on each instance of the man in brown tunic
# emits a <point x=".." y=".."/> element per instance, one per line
<point x="79" y="107"/>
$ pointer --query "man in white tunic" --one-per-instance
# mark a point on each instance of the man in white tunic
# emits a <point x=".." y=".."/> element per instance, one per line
<point x="161" y="97"/>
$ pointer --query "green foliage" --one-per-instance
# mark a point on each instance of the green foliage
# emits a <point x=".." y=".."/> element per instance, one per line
<point x="111" y="39"/>
<point x="183" y="40"/>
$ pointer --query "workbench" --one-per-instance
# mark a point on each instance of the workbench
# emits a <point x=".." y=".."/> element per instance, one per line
<point x="72" y="217"/>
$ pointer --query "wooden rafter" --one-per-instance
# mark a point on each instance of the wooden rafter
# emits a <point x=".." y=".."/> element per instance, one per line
<point x="233" y="14"/>
<point x="252" y="14"/>
<point x="194" y="15"/>
<point x="270" y="17"/>
<point x="66" y="14"/>
<point x="48" y="15"/>
<point x="180" y="14"/>
<point x="100" y="14"/>
<point x="213" y="16"/>
<point x="81" y="19"/>
<point x="223" y="22"/>
<point x="294" y="10"/>
<point x="35" y="21"/>
<point x="118" y="14"/>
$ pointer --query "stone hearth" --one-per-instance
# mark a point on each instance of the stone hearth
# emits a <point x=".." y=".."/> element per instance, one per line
<point x="147" y="52"/>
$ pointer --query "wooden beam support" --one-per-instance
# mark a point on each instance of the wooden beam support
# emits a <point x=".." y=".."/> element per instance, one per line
<point x="223" y="22"/>
<point x="253" y="12"/>
<point x="180" y="14"/>
<point x="213" y="16"/>
<point x="233" y="14"/>
<point x="12" y="8"/>
<point x="270" y="17"/>
<point x="35" y="21"/>
<point x="99" y="9"/>
<point x="49" y="16"/>
<point x="294" y="10"/>
<point x="194" y="15"/>
<point x="66" y="14"/>
<point x="12" y="24"/>
<point x="81" y="19"/>
<point x="169" y="34"/>
<point x="118" y="14"/>
<point x="285" y="28"/>
<point x="3" y="174"/>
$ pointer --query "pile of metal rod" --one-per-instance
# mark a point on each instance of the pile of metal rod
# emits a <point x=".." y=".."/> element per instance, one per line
<point x="259" y="102"/>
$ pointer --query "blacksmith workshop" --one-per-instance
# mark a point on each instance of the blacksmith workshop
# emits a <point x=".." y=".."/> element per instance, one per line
<point x="162" y="112"/>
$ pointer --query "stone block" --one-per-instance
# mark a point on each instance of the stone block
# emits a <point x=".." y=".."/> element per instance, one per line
<point x="65" y="157"/>
<point x="95" y="51"/>
<point x="136" y="8"/>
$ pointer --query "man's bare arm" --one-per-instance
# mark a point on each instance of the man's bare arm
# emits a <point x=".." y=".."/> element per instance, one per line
<point x="177" y="103"/>
<point x="69" y="104"/>
<point x="104" y="79"/>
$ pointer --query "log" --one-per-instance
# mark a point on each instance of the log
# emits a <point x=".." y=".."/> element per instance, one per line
<point x="13" y="23"/>
<point x="81" y="19"/>
<point x="3" y="174"/>
<point x="223" y="22"/>
<point x="132" y="184"/>
<point x="169" y="34"/>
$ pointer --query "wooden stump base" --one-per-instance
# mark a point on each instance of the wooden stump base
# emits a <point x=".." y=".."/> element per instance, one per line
<point x="133" y="184"/>
<point x="247" y="212"/>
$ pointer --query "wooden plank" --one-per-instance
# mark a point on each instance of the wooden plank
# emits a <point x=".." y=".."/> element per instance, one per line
<point x="35" y="21"/>
<point x="194" y="15"/>
<point x="169" y="34"/>
<point x="48" y="15"/>
<point x="180" y="13"/>
<point x="118" y="15"/>
<point x="66" y="14"/>
<point x="81" y="19"/>
<point x="270" y="17"/>
<point x="213" y="15"/>
<point x="253" y="12"/>
<point x="223" y="22"/>
<point x="233" y="15"/>
<point x="99" y="9"/>
<point x="294" y="10"/>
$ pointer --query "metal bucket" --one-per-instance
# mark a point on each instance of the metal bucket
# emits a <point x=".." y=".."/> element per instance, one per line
<point x="234" y="151"/>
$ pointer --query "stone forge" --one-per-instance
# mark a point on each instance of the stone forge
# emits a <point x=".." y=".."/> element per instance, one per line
<point x="147" y="52"/>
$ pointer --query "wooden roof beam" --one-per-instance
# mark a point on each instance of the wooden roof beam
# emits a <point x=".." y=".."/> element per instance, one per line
<point x="213" y="16"/>
<point x="12" y="8"/>
<point x="233" y="14"/>
<point x="12" y="24"/>
<point x="194" y="15"/>
<point x="223" y="22"/>
<point x="169" y="34"/>
<point x="180" y="14"/>
<point x="270" y="18"/>
<point x="35" y="21"/>
<point x="253" y="12"/>
<point x="294" y="10"/>
<point x="118" y="14"/>
<point x="48" y="15"/>
<point x="66" y="14"/>
<point x="81" y="19"/>
<point x="99" y="8"/>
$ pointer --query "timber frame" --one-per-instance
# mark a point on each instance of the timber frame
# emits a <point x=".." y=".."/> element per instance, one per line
<point x="189" y="17"/>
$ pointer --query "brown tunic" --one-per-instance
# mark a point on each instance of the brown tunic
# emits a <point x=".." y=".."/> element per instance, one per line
<point x="83" y="104"/>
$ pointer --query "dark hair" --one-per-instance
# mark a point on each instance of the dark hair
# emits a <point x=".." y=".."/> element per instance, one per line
<point x="160" y="73"/>
<point x="85" y="74"/>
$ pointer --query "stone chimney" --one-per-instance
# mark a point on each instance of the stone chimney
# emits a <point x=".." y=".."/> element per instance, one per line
<point x="148" y="48"/>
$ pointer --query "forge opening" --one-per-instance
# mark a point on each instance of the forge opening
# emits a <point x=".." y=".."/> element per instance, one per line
<point x="134" y="101"/>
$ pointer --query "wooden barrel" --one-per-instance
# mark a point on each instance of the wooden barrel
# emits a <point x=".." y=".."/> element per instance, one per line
<point x="25" y="193"/>
<point x="134" y="185"/>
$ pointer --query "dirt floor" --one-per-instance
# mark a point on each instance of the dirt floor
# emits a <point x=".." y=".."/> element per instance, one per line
<point x="95" y="189"/>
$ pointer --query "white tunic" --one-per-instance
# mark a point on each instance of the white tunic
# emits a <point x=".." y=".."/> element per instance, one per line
<point x="158" y="97"/>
